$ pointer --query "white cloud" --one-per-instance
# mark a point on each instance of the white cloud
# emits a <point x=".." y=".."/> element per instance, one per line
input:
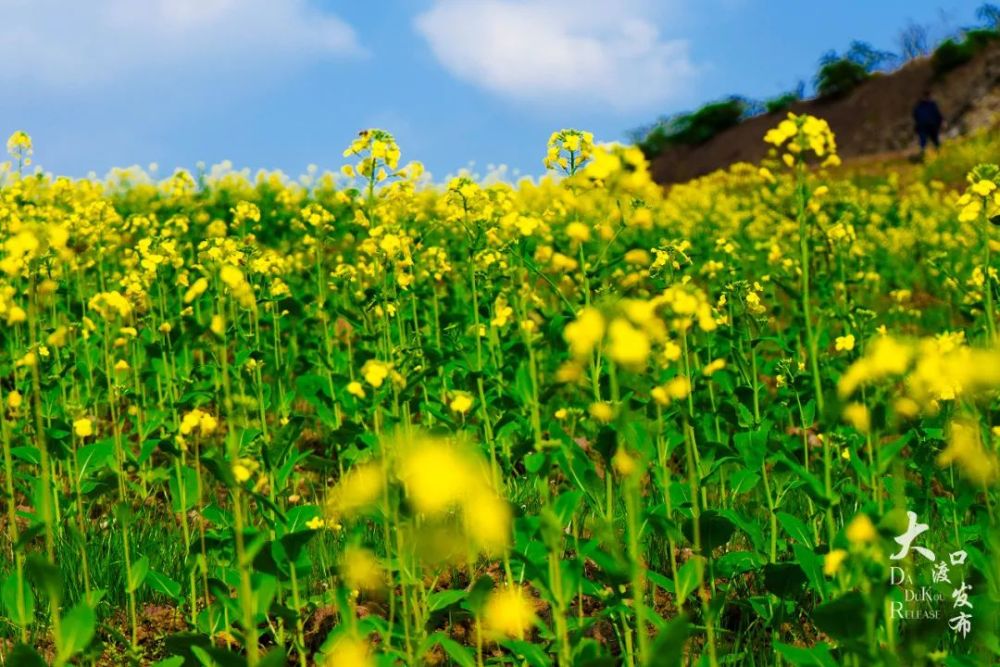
<point x="80" y="44"/>
<point x="560" y="52"/>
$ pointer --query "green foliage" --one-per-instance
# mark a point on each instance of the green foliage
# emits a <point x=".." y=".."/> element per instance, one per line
<point x="696" y="127"/>
<point x="839" y="76"/>
<point x="781" y="102"/>
<point x="953" y="53"/>
<point x="869" y="57"/>
<point x="957" y="158"/>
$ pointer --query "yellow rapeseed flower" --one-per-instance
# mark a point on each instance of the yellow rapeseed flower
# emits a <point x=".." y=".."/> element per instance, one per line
<point x="437" y="474"/>
<point x="602" y="412"/>
<point x="833" y="561"/>
<point x="361" y="570"/>
<point x="487" y="519"/>
<point x="508" y="613"/>
<point x="965" y="449"/>
<point x="360" y="488"/>
<point x="861" y="530"/>
<point x="461" y="402"/>
<point x="856" y="414"/>
<point x="375" y="372"/>
<point x="14" y="399"/>
<point x="585" y="332"/>
<point x="241" y="472"/>
<point x="627" y="345"/>
<point x="349" y="651"/>
<point x="195" y="290"/>
<point x="844" y="343"/>
<point x="83" y="428"/>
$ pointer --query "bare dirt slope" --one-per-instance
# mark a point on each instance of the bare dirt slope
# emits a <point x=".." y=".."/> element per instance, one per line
<point x="874" y="118"/>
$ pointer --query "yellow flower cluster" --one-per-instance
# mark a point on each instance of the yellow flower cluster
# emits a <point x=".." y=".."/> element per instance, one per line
<point x="508" y="613"/>
<point x="800" y="134"/>
<point x="110" y="304"/>
<point x="443" y="480"/>
<point x="929" y="370"/>
<point x="966" y="450"/>
<point x="982" y="196"/>
<point x="198" y="421"/>
<point x="238" y="285"/>
<point x="19" y="147"/>
<point x="379" y="155"/>
<point x="569" y="150"/>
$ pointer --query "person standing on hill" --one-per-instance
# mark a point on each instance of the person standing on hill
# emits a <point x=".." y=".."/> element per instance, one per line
<point x="927" y="119"/>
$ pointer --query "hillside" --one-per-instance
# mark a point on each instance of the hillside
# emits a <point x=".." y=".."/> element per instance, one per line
<point x="874" y="118"/>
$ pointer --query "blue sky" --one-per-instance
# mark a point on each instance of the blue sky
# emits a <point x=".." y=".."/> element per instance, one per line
<point x="282" y="84"/>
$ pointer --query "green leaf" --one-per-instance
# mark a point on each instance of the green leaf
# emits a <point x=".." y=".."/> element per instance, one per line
<point x="796" y="529"/>
<point x="812" y="565"/>
<point x="137" y="575"/>
<point x="173" y="661"/>
<point x="218" y="516"/>
<point x="76" y="631"/>
<point x="183" y="489"/>
<point x="843" y="618"/>
<point x="814" y="656"/>
<point x="763" y="606"/>
<point x="809" y="412"/>
<point x="93" y="457"/>
<point x="716" y="530"/>
<point x="11" y="596"/>
<point x="275" y="658"/>
<point x="890" y="450"/>
<point x="745" y="418"/>
<point x="813" y="486"/>
<point x="181" y="644"/>
<point x="455" y="651"/>
<point x="265" y="587"/>
<point x="24" y="656"/>
<point x="46" y="576"/>
<point x="534" y="462"/>
<point x="294" y="543"/>
<point x="784" y="579"/>
<point x="749" y="526"/>
<point x="668" y="650"/>
<point x="445" y="598"/>
<point x="734" y="563"/>
<point x="531" y="653"/>
<point x="687" y="579"/>
<point x="744" y="481"/>
<point x="752" y="445"/>
<point x="566" y="505"/>
<point x="297" y="517"/>
<point x="161" y="583"/>
<point x="220" y="469"/>
<point x="479" y="593"/>
<point x="211" y="656"/>
<point x="27" y="454"/>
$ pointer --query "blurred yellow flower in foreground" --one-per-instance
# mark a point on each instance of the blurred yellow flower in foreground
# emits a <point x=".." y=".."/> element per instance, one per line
<point x="508" y="612"/>
<point x="861" y="530"/>
<point x="832" y="561"/>
<point x="965" y="449"/>
<point x="349" y="651"/>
